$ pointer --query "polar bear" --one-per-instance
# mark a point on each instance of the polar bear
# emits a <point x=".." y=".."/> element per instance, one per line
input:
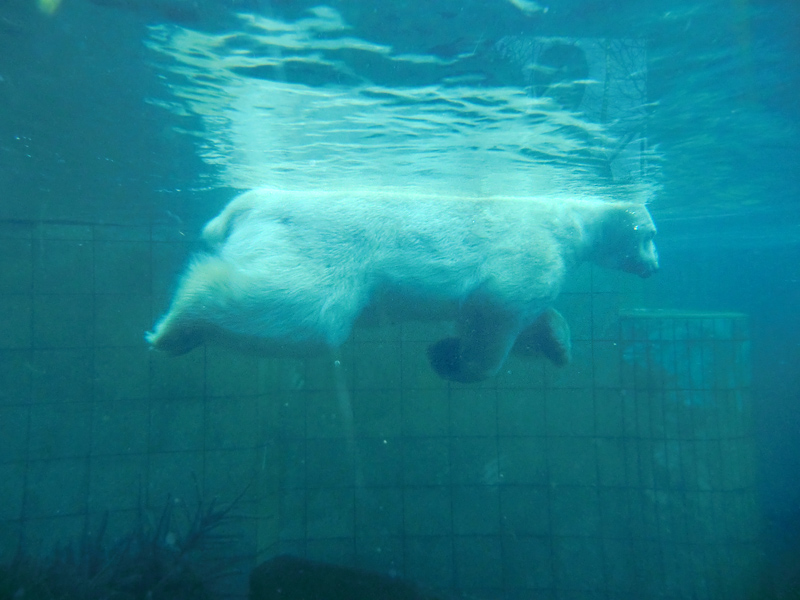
<point x="290" y="272"/>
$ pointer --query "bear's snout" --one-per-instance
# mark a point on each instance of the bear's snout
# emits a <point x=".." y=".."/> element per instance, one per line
<point x="647" y="266"/>
<point x="650" y="270"/>
<point x="643" y="266"/>
<point x="648" y="259"/>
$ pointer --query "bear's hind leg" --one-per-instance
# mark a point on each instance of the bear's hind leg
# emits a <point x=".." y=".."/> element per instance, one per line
<point x="487" y="335"/>
<point x="181" y="329"/>
<point x="175" y="340"/>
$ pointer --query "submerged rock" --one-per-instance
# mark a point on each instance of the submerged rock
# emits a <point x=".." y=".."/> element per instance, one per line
<point x="292" y="578"/>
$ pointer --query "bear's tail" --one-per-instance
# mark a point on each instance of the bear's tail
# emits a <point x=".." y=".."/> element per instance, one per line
<point x="218" y="229"/>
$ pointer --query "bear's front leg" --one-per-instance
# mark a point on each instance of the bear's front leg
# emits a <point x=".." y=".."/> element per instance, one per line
<point x="486" y="335"/>
<point x="548" y="336"/>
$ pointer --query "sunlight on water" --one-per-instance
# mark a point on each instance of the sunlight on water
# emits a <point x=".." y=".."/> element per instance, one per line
<point x="286" y="105"/>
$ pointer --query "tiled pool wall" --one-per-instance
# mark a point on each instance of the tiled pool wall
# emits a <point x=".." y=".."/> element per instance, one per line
<point x="628" y="473"/>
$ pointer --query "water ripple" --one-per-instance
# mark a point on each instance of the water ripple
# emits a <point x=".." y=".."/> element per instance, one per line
<point x="288" y="104"/>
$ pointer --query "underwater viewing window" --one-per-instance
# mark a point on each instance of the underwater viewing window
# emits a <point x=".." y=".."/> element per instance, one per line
<point x="458" y="300"/>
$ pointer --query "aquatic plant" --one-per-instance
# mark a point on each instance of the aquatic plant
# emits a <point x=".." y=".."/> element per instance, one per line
<point x="176" y="556"/>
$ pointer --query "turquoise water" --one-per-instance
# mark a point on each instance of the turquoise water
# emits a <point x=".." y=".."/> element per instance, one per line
<point x="125" y="114"/>
<point x="706" y="88"/>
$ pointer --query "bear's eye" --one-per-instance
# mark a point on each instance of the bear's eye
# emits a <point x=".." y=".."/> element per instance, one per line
<point x="647" y="235"/>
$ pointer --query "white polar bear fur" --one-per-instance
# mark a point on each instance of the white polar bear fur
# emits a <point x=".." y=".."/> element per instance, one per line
<point x="289" y="272"/>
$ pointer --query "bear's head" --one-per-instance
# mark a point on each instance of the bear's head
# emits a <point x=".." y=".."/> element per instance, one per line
<point x="626" y="240"/>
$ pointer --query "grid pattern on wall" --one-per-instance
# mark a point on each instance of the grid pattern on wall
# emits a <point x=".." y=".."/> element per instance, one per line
<point x="628" y="474"/>
<point x="589" y="481"/>
<point x="93" y="423"/>
<point x="688" y="374"/>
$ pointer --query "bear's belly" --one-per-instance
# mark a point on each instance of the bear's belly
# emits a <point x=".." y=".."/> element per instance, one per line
<point x="399" y="304"/>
